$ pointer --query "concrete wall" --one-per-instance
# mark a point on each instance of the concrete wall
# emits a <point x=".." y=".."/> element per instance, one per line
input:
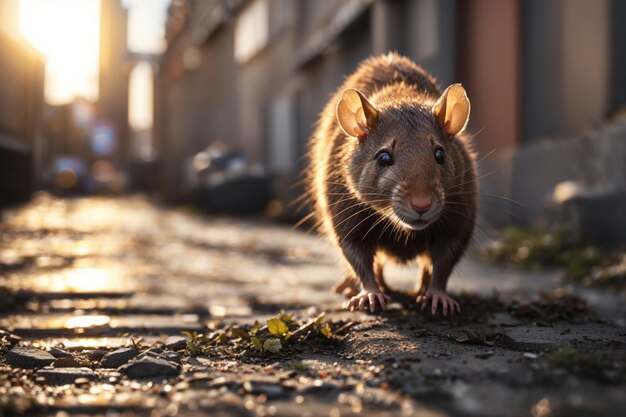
<point x="595" y="160"/>
<point x="262" y="84"/>
<point x="21" y="112"/>
<point x="432" y="35"/>
<point x="566" y="66"/>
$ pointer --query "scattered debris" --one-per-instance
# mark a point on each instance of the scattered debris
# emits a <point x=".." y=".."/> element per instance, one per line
<point x="471" y="337"/>
<point x="558" y="305"/>
<point x="575" y="361"/>
<point x="560" y="248"/>
<point x="277" y="334"/>
<point x="9" y="338"/>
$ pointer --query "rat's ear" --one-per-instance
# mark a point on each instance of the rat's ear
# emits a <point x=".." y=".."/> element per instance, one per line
<point x="452" y="109"/>
<point x="355" y="114"/>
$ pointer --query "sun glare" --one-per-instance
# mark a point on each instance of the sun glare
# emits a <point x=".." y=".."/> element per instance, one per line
<point x="66" y="33"/>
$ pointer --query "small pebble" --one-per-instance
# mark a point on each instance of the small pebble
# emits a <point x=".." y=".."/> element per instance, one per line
<point x="60" y="353"/>
<point x="94" y="354"/>
<point x="65" y="362"/>
<point x="176" y="343"/>
<point x="118" y="357"/>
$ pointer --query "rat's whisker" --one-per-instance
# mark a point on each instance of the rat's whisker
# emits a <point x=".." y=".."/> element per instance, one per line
<point x="352" y="207"/>
<point x="510" y="200"/>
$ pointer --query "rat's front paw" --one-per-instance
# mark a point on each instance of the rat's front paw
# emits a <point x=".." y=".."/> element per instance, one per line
<point x="367" y="298"/>
<point x="437" y="297"/>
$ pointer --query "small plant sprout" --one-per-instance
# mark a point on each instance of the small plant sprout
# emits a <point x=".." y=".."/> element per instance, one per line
<point x="278" y="328"/>
<point x="323" y="327"/>
<point x="272" y="345"/>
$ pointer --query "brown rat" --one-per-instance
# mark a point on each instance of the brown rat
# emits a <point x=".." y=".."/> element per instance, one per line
<point x="392" y="176"/>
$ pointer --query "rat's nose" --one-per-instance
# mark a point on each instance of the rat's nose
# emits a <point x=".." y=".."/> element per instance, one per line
<point x="421" y="204"/>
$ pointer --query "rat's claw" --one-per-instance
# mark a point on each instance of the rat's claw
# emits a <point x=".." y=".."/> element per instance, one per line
<point x="368" y="299"/>
<point x="372" y="299"/>
<point x="383" y="299"/>
<point x="436" y="297"/>
<point x="444" y="307"/>
<point x="434" y="304"/>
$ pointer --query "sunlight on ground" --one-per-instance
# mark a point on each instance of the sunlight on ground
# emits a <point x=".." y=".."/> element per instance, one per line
<point x="56" y="321"/>
<point x="89" y="342"/>
<point x="78" y="280"/>
<point x="86" y="321"/>
<point x="75" y="281"/>
<point x="87" y="279"/>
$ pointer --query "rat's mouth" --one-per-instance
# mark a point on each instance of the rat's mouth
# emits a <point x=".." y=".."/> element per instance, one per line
<point x="415" y="222"/>
<point x="411" y="218"/>
<point x="412" y="223"/>
<point x="419" y="224"/>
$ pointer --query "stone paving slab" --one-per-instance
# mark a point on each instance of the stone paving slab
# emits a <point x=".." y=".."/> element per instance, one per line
<point x="93" y="275"/>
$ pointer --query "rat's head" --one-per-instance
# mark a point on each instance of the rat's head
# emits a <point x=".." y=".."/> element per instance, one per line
<point x="399" y="157"/>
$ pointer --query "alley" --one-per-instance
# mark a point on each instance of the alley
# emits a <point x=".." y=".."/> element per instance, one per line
<point x="84" y="277"/>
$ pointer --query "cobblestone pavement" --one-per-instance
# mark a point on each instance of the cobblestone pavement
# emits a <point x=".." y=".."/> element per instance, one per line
<point x="116" y="304"/>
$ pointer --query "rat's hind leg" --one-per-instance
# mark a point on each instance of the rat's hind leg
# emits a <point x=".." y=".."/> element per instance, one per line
<point x="425" y="276"/>
<point x="379" y="264"/>
<point x="347" y="286"/>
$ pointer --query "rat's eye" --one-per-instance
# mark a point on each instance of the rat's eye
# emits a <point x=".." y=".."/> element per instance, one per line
<point x="384" y="159"/>
<point x="439" y="156"/>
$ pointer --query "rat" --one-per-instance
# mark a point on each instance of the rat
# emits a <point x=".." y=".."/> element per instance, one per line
<point x="392" y="177"/>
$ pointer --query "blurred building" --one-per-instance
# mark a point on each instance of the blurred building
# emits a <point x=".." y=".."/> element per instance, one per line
<point x="65" y="136"/>
<point x="21" y="107"/>
<point x="255" y="75"/>
<point x="112" y="105"/>
<point x="121" y="68"/>
<point x="9" y="16"/>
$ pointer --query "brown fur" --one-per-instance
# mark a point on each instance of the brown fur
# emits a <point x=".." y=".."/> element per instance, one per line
<point x="344" y="183"/>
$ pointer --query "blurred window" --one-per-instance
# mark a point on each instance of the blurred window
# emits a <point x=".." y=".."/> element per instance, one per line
<point x="140" y="98"/>
<point x="282" y="152"/>
<point x="251" y="31"/>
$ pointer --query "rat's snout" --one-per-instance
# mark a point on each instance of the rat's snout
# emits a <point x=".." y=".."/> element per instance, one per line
<point x="421" y="203"/>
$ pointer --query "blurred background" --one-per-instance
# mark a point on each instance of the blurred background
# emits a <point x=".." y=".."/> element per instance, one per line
<point x="212" y="102"/>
